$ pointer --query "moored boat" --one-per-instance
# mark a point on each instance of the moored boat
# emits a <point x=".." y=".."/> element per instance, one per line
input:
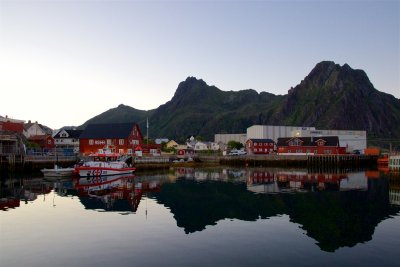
<point x="104" y="165"/>
<point x="57" y="172"/>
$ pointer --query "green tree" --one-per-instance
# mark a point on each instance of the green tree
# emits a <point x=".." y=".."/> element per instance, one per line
<point x="234" y="145"/>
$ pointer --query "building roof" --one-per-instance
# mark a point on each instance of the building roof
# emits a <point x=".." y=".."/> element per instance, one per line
<point x="71" y="133"/>
<point x="310" y="141"/>
<point x="110" y="130"/>
<point x="262" y="140"/>
<point x="45" y="129"/>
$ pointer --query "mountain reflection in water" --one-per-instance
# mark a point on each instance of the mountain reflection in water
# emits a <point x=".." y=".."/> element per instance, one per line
<point x="335" y="209"/>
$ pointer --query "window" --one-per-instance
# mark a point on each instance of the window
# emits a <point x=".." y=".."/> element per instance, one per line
<point x="121" y="151"/>
<point x="295" y="142"/>
<point x="265" y="144"/>
<point x="130" y="151"/>
<point x="135" y="142"/>
<point x="49" y="142"/>
<point x="255" y="143"/>
<point x="121" y="142"/>
<point x="108" y="141"/>
<point x="91" y="142"/>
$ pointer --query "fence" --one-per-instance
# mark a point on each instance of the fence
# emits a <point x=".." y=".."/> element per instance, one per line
<point x="151" y="160"/>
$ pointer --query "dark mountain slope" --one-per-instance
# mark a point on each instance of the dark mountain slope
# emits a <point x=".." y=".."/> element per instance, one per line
<point x="120" y="114"/>
<point x="330" y="97"/>
<point x="200" y="109"/>
<point x="335" y="97"/>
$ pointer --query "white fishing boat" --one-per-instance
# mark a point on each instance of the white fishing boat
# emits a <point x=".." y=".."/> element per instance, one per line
<point x="104" y="165"/>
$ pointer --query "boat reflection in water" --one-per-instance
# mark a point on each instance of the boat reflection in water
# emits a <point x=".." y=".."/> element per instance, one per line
<point x="113" y="193"/>
<point x="334" y="209"/>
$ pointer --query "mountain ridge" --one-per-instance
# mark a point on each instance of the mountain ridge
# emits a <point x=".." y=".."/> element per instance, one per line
<point x="329" y="97"/>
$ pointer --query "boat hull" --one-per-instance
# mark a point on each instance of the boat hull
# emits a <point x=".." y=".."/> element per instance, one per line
<point x="84" y="171"/>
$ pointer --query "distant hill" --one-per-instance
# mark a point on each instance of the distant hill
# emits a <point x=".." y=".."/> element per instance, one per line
<point x="330" y="97"/>
<point x="120" y="114"/>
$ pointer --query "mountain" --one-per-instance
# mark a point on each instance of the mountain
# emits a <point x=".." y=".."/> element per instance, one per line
<point x="330" y="97"/>
<point x="339" y="97"/>
<point x="120" y="114"/>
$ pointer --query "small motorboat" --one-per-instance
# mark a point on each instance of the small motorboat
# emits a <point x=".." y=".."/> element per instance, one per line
<point x="57" y="172"/>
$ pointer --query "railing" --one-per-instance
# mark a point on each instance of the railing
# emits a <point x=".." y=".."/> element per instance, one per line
<point x="49" y="158"/>
<point x="151" y="160"/>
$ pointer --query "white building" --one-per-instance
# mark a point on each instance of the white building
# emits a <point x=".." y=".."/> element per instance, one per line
<point x="272" y="132"/>
<point x="352" y="140"/>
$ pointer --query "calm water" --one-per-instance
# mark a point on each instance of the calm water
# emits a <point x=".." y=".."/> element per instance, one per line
<point x="202" y="217"/>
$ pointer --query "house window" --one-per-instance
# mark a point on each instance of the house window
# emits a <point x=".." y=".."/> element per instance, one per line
<point x="49" y="142"/>
<point x="130" y="151"/>
<point x="135" y="142"/>
<point x="295" y="142"/>
<point x="255" y="143"/>
<point x="121" y="151"/>
<point x="108" y="141"/>
<point x="91" y="142"/>
<point x="121" y="142"/>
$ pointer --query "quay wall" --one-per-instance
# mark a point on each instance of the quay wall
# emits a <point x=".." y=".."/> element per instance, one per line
<point x="20" y="164"/>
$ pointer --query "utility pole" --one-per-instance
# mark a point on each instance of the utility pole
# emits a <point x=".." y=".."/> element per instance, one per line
<point x="147" y="125"/>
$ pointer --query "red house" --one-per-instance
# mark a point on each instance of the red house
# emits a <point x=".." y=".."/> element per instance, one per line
<point x="260" y="146"/>
<point x="11" y="125"/>
<point x="321" y="145"/>
<point x="43" y="141"/>
<point x="120" y="138"/>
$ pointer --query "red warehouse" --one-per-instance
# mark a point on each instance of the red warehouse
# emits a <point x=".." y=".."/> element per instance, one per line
<point x="119" y="138"/>
<point x="321" y="145"/>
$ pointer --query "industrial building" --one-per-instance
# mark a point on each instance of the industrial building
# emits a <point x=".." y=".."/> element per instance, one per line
<point x="352" y="140"/>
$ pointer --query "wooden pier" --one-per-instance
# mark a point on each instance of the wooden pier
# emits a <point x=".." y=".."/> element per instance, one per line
<point x="17" y="163"/>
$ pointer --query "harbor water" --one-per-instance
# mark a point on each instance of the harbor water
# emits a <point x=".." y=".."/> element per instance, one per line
<point x="202" y="217"/>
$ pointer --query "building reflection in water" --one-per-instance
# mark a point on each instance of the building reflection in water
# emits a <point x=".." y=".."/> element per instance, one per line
<point x="335" y="209"/>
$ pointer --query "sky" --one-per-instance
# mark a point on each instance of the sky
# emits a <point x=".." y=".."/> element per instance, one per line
<point x="64" y="62"/>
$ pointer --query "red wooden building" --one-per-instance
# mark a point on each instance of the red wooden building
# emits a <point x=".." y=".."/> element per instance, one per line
<point x="260" y="146"/>
<point x="43" y="141"/>
<point x="120" y="138"/>
<point x="11" y="125"/>
<point x="321" y="145"/>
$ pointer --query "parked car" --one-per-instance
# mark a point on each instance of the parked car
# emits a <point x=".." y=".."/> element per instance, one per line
<point x="237" y="153"/>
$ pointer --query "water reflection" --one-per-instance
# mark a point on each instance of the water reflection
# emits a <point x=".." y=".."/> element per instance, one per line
<point x="113" y="193"/>
<point x="335" y="209"/>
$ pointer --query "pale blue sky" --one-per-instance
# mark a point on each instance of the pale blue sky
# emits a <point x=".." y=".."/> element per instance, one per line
<point x="63" y="62"/>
